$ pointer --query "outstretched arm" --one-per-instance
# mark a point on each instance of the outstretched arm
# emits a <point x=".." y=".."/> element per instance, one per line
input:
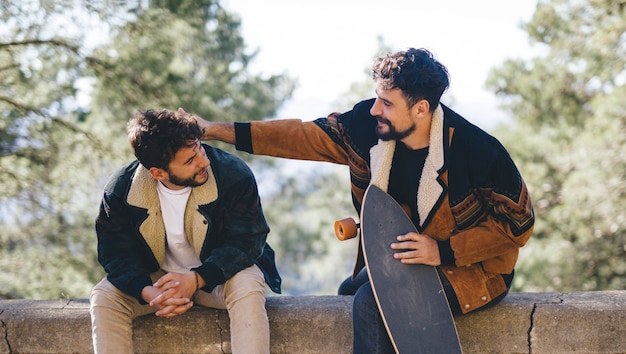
<point x="221" y="131"/>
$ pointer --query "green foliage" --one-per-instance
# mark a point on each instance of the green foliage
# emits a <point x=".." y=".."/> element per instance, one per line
<point x="569" y="143"/>
<point x="57" y="152"/>
<point x="42" y="141"/>
<point x="171" y="58"/>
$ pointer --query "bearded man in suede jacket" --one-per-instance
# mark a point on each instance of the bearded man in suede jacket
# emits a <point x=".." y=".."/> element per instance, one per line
<point x="181" y="225"/>
<point x="458" y="184"/>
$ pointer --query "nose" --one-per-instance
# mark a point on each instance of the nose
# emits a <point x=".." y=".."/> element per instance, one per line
<point x="205" y="162"/>
<point x="375" y="110"/>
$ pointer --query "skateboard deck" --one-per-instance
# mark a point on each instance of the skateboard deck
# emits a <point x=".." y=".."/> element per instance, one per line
<point x="410" y="297"/>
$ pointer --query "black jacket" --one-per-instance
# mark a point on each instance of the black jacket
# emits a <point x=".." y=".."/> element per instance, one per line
<point x="224" y="222"/>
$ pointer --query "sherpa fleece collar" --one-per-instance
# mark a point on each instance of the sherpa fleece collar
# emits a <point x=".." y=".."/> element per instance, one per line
<point x="143" y="194"/>
<point x="430" y="190"/>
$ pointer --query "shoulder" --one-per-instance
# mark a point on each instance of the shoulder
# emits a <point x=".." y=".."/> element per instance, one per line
<point x="227" y="167"/>
<point x="221" y="157"/>
<point x="356" y="127"/>
<point x="363" y="107"/>
<point x="476" y="158"/>
<point x="120" y="180"/>
<point x="470" y="139"/>
<point x="359" y="115"/>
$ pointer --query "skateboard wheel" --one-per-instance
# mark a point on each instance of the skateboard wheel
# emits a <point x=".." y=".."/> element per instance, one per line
<point x="346" y="229"/>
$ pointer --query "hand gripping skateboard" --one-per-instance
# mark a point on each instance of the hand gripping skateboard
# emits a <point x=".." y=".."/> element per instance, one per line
<point x="410" y="297"/>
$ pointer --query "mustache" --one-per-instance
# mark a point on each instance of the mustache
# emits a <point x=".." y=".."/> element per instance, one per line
<point x="383" y="120"/>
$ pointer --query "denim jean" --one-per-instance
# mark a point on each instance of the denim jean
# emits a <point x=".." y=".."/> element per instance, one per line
<point x="369" y="333"/>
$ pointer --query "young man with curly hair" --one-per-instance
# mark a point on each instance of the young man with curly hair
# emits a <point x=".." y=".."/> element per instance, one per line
<point x="459" y="185"/>
<point x="179" y="226"/>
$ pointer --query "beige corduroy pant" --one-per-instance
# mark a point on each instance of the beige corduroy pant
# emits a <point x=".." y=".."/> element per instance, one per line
<point x="243" y="296"/>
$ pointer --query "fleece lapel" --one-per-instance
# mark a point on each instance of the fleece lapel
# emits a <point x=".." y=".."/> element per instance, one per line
<point x="381" y="157"/>
<point x="196" y="224"/>
<point x="430" y="189"/>
<point x="143" y="194"/>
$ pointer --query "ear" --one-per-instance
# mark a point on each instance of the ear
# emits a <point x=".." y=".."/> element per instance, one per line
<point x="423" y="107"/>
<point x="158" y="173"/>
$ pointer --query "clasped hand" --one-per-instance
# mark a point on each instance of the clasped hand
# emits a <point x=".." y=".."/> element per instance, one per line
<point x="417" y="249"/>
<point x="171" y="294"/>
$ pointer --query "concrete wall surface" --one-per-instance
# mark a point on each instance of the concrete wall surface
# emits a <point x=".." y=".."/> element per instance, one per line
<point x="582" y="322"/>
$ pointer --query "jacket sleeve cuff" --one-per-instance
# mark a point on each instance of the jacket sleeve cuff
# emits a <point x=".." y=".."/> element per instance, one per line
<point x="243" y="137"/>
<point x="135" y="288"/>
<point x="212" y="275"/>
<point x="446" y="253"/>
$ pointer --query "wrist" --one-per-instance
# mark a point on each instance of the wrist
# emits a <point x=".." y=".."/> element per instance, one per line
<point x="195" y="275"/>
<point x="146" y="293"/>
<point x="446" y="254"/>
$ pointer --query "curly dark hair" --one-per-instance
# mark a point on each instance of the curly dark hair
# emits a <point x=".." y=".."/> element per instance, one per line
<point x="415" y="72"/>
<point x="156" y="136"/>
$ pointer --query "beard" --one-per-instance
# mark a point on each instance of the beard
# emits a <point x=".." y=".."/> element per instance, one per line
<point x="189" y="182"/>
<point x="392" y="133"/>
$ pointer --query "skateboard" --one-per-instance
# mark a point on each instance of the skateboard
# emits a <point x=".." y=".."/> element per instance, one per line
<point x="410" y="297"/>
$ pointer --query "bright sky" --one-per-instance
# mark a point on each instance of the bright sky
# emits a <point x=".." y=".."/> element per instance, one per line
<point x="327" y="44"/>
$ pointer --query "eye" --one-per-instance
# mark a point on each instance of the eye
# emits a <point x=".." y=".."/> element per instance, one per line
<point x="190" y="160"/>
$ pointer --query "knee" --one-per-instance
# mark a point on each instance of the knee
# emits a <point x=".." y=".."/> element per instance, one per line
<point x="364" y="301"/>
<point x="248" y="301"/>
<point x="105" y="296"/>
<point x="346" y="287"/>
<point x="351" y="285"/>
<point x="100" y="294"/>
<point x="249" y="284"/>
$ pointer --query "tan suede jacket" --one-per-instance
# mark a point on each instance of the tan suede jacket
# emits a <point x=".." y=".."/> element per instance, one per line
<point x="470" y="191"/>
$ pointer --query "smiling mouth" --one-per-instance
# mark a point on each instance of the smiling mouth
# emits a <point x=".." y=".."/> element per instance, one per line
<point x="204" y="173"/>
<point x="383" y="121"/>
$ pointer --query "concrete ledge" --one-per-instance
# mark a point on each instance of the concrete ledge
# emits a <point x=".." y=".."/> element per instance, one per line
<point x="585" y="322"/>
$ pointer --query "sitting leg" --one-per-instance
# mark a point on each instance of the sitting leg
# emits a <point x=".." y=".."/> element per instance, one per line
<point x="350" y="286"/>
<point x="370" y="335"/>
<point x="112" y="313"/>
<point x="243" y="296"/>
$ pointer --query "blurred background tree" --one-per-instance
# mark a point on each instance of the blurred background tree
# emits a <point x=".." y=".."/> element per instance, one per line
<point x="569" y="142"/>
<point x="45" y="154"/>
<point x="58" y="148"/>
<point x="72" y="76"/>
